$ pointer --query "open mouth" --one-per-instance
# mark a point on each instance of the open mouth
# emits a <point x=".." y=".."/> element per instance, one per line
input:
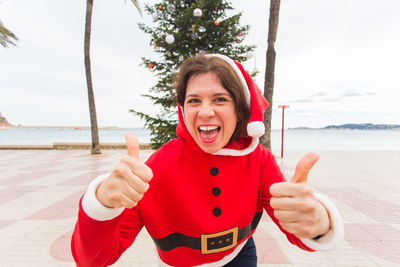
<point x="209" y="133"/>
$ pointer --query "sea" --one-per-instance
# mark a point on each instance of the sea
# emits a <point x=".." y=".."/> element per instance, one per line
<point x="293" y="139"/>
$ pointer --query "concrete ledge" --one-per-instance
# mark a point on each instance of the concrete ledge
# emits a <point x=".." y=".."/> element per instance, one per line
<point x="87" y="146"/>
<point x="70" y="146"/>
<point x="26" y="147"/>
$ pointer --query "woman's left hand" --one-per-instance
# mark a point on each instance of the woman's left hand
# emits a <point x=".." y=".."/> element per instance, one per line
<point x="295" y="205"/>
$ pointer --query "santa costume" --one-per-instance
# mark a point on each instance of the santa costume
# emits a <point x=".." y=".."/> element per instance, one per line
<point x="200" y="208"/>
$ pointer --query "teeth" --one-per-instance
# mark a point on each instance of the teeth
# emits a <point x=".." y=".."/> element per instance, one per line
<point x="208" y="128"/>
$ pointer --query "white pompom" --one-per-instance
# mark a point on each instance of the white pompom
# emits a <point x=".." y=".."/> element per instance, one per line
<point x="256" y="129"/>
<point x="169" y="39"/>
<point x="197" y="12"/>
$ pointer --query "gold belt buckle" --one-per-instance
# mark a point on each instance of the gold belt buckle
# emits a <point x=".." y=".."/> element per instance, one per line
<point x="213" y="243"/>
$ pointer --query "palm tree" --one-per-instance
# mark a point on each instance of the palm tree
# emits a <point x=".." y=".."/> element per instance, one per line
<point x="92" y="107"/>
<point x="270" y="70"/>
<point x="6" y="36"/>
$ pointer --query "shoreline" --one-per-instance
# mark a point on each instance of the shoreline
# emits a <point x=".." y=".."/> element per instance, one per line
<point x="61" y="127"/>
<point x="72" y="146"/>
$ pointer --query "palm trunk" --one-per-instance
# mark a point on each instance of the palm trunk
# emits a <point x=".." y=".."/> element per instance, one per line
<point x="270" y="70"/>
<point x="92" y="106"/>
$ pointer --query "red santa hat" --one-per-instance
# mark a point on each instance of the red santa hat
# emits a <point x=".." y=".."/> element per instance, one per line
<point x="257" y="103"/>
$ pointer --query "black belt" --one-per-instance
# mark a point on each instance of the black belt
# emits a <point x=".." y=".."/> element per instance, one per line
<point x="210" y="243"/>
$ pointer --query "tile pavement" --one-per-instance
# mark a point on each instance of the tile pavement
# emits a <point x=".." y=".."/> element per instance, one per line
<point x="39" y="192"/>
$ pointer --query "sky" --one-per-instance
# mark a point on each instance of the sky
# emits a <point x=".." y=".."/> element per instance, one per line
<point x="337" y="61"/>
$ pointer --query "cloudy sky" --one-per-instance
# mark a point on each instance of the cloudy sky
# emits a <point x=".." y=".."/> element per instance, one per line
<point x="337" y="61"/>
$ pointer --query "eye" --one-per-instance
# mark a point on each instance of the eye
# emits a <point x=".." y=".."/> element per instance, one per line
<point x="192" y="101"/>
<point x="221" y="99"/>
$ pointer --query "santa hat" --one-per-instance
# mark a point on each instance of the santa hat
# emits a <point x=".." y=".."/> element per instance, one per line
<point x="257" y="103"/>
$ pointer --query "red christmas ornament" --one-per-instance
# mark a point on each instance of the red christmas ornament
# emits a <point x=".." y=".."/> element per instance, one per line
<point x="216" y="23"/>
<point x="151" y="65"/>
<point x="159" y="7"/>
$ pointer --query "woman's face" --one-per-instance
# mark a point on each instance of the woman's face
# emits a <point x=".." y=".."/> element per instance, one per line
<point x="209" y="112"/>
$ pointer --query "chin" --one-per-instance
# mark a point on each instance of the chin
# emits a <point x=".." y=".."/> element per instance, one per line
<point x="210" y="148"/>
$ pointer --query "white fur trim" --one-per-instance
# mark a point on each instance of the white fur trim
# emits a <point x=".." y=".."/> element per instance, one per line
<point x="255" y="128"/>
<point x="234" y="152"/>
<point x="238" y="72"/>
<point x="92" y="206"/>
<point x="228" y="258"/>
<point x="335" y="236"/>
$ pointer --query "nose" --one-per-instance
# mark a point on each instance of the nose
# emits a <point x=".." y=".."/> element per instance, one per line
<point x="206" y="111"/>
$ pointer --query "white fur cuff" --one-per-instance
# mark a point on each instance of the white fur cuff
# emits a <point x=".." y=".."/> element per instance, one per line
<point x="335" y="236"/>
<point x="92" y="206"/>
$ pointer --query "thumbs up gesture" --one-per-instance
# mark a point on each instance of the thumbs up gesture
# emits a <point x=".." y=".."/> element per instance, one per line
<point x="129" y="180"/>
<point x="295" y="206"/>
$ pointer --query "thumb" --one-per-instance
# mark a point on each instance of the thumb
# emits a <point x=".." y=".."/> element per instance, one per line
<point x="132" y="144"/>
<point x="303" y="167"/>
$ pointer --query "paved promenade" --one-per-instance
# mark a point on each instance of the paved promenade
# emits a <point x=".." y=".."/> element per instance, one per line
<point x="40" y="190"/>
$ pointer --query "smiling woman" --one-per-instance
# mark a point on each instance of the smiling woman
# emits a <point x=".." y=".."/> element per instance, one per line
<point x="201" y="195"/>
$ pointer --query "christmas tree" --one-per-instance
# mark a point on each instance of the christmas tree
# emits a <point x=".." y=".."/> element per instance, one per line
<point x="180" y="30"/>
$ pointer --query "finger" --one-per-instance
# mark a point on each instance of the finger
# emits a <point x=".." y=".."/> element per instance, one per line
<point x="140" y="169"/>
<point x="285" y="216"/>
<point x="132" y="194"/>
<point x="283" y="189"/>
<point x="137" y="184"/>
<point x="283" y="203"/>
<point x="125" y="174"/>
<point x="132" y="144"/>
<point x="127" y="202"/>
<point x="303" y="167"/>
<point x="114" y="195"/>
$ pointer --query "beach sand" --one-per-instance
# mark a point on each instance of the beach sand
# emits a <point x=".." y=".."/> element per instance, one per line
<point x="40" y="190"/>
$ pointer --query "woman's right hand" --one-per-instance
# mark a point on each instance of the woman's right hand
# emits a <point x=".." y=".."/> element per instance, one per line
<point x="129" y="180"/>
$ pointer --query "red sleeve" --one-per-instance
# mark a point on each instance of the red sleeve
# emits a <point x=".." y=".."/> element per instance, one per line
<point x="272" y="174"/>
<point x="101" y="243"/>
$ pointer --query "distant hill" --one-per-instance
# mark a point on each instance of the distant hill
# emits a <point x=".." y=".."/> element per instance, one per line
<point x="364" y="126"/>
<point x="355" y="126"/>
<point x="3" y="121"/>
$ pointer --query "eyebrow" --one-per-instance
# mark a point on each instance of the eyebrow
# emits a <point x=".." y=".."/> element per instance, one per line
<point x="217" y="94"/>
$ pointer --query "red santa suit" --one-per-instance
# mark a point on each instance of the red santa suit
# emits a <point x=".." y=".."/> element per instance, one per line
<point x="200" y="208"/>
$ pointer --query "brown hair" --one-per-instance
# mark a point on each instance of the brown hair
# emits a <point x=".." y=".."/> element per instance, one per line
<point x="230" y="81"/>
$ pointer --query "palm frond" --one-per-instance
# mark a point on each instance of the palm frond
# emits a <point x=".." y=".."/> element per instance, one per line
<point x="6" y="36"/>
<point x="136" y="3"/>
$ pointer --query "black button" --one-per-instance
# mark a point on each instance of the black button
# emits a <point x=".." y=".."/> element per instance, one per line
<point x="216" y="191"/>
<point x="217" y="212"/>
<point x="214" y="171"/>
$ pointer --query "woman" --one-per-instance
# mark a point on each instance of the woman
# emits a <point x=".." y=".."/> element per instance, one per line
<point x="201" y="196"/>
